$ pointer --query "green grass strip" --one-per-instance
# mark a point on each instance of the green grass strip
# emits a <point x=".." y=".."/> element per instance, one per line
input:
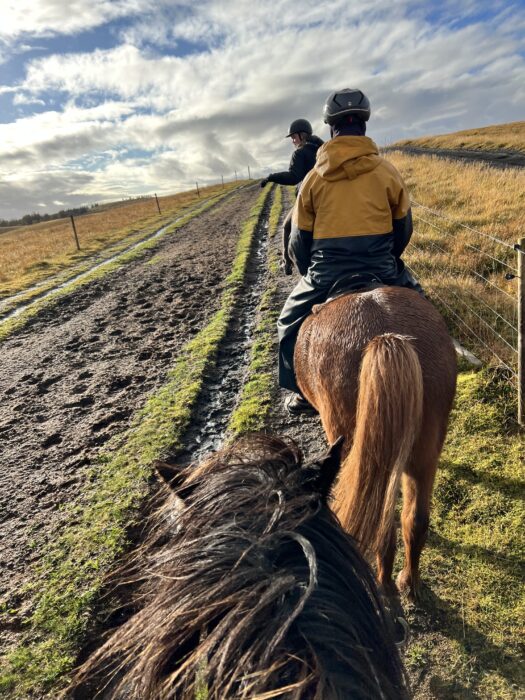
<point x="11" y="325"/>
<point x="68" y="582"/>
<point x="473" y="562"/>
<point x="257" y="393"/>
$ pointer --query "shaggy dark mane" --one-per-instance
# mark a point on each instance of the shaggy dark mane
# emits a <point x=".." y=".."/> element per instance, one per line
<point x="260" y="594"/>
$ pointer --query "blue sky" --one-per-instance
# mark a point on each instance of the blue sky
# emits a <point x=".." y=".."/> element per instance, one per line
<point x="101" y="99"/>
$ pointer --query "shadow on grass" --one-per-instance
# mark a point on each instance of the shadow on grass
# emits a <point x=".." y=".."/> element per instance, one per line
<point x="512" y="565"/>
<point x="510" y="487"/>
<point x="486" y="657"/>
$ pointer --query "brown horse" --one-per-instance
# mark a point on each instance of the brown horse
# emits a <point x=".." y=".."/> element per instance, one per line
<point x="380" y="368"/>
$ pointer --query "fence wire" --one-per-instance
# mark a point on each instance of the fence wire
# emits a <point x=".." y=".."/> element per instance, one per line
<point x="472" y="277"/>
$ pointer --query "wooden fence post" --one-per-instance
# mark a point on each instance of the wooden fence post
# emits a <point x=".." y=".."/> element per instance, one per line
<point x="157" y="200"/>
<point x="75" y="232"/>
<point x="249" y="176"/>
<point x="235" y="176"/>
<point x="222" y="178"/>
<point x="520" y="248"/>
<point x="197" y="186"/>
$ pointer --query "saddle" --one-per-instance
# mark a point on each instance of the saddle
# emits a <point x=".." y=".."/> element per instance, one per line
<point x="356" y="282"/>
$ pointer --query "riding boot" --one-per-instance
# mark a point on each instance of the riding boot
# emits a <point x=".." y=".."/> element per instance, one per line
<point x="296" y="404"/>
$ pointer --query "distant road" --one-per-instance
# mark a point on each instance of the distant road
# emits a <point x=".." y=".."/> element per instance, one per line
<point x="498" y="159"/>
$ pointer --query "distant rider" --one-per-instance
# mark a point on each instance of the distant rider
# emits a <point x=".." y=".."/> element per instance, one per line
<point x="352" y="217"/>
<point x="303" y="160"/>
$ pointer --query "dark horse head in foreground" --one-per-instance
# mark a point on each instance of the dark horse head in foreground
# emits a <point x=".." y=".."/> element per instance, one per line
<point x="380" y="368"/>
<point x="259" y="594"/>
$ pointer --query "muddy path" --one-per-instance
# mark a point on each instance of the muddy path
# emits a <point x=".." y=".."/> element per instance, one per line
<point x="497" y="159"/>
<point x="221" y="393"/>
<point x="71" y="379"/>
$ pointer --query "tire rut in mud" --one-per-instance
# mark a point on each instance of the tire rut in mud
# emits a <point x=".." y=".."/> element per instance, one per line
<point x="71" y="379"/>
<point x="224" y="384"/>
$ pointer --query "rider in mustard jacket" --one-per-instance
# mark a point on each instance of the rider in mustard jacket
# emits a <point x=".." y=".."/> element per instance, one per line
<point x="351" y="218"/>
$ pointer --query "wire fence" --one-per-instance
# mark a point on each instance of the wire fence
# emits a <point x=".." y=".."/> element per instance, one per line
<point x="32" y="252"/>
<point x="124" y="202"/>
<point x="475" y="278"/>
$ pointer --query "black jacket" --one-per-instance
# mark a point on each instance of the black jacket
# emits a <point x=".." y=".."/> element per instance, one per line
<point x="303" y="160"/>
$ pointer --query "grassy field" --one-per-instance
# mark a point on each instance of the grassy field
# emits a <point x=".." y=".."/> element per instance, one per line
<point x="459" y="267"/>
<point x="33" y="253"/>
<point x="467" y="633"/>
<point x="500" y="137"/>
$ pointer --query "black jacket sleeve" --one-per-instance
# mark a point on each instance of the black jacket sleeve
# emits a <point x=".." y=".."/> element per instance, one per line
<point x="300" y="248"/>
<point x="402" y="233"/>
<point x="295" y="173"/>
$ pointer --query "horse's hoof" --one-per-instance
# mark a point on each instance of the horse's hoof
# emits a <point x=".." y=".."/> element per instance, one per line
<point x="389" y="589"/>
<point x="407" y="587"/>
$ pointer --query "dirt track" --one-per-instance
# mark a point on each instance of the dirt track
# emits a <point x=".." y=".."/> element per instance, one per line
<point x="73" y="377"/>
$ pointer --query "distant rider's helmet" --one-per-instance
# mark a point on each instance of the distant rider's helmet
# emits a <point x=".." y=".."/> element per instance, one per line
<point x="344" y="103"/>
<point x="298" y="126"/>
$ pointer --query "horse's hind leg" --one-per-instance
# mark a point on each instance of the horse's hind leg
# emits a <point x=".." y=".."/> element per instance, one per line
<point x="385" y="564"/>
<point x="417" y="492"/>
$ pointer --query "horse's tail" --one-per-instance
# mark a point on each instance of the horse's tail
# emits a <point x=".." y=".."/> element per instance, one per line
<point x="388" y="420"/>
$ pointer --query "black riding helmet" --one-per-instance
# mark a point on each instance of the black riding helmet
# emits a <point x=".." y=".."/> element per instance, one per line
<point x="299" y="125"/>
<point x="347" y="102"/>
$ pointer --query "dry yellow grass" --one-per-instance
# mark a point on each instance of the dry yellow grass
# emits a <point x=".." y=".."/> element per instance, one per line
<point x="500" y="137"/>
<point x="32" y="253"/>
<point x="452" y="261"/>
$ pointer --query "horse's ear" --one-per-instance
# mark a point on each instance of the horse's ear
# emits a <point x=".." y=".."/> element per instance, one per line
<point x="174" y="477"/>
<point x="170" y="474"/>
<point x="329" y="466"/>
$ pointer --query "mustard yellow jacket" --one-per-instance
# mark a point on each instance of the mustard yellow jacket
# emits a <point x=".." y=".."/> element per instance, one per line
<point x="352" y="213"/>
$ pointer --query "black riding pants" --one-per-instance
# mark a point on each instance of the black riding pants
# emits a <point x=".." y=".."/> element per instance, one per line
<point x="298" y="306"/>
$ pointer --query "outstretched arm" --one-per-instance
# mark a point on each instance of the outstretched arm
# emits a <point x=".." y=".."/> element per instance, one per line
<point x="295" y="173"/>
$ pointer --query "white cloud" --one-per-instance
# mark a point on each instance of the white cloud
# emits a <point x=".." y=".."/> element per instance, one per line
<point x="250" y="71"/>
<point x="22" y="98"/>
<point x="48" y="17"/>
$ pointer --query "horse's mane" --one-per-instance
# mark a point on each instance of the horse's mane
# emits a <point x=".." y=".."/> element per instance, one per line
<point x="261" y="594"/>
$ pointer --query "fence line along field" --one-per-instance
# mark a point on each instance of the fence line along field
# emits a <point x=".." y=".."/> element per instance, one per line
<point x="500" y="137"/>
<point x="32" y="253"/>
<point x="467" y="219"/>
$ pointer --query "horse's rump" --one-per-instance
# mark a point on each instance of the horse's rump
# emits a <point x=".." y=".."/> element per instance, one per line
<point x="380" y="368"/>
<point x="331" y="343"/>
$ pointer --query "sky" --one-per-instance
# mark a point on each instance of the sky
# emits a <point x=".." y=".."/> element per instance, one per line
<point x="107" y="99"/>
